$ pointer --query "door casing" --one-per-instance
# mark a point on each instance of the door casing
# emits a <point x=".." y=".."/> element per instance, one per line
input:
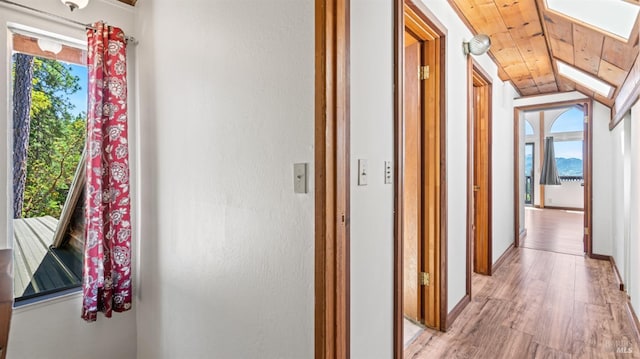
<point x="332" y="200"/>
<point x="587" y="107"/>
<point x="480" y="107"/>
<point x="413" y="15"/>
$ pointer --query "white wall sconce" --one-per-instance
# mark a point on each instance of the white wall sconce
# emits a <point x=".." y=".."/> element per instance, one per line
<point x="75" y="4"/>
<point x="478" y="45"/>
<point x="49" y="46"/>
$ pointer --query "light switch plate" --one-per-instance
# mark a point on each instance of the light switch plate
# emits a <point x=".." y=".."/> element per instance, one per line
<point x="388" y="172"/>
<point x="363" y="172"/>
<point x="300" y="177"/>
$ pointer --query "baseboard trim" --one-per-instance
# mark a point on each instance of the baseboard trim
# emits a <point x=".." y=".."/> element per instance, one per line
<point x="455" y="312"/>
<point x="617" y="273"/>
<point x="565" y="208"/>
<point x="503" y="257"/>
<point x="634" y="319"/>
<point x="600" y="257"/>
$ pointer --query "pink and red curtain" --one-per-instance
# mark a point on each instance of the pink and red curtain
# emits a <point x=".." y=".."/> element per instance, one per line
<point x="107" y="253"/>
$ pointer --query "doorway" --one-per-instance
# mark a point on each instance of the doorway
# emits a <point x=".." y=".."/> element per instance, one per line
<point x="575" y="140"/>
<point x="420" y="190"/>
<point x="481" y="198"/>
<point x="554" y="217"/>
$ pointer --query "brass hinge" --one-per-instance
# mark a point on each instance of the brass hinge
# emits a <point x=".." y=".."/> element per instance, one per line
<point x="586" y="231"/>
<point x="423" y="72"/>
<point x="425" y="278"/>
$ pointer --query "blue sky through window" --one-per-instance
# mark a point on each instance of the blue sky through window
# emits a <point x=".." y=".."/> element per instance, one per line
<point x="569" y="121"/>
<point x="568" y="149"/>
<point x="528" y="129"/>
<point x="79" y="99"/>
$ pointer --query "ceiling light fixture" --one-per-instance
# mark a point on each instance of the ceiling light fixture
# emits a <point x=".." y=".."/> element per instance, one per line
<point x="584" y="79"/>
<point x="75" y="4"/>
<point x="49" y="46"/>
<point x="478" y="45"/>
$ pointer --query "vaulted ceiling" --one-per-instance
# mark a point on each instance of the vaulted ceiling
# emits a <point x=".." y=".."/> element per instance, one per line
<point x="527" y="38"/>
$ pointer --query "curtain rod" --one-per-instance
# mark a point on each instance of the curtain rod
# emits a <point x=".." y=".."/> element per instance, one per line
<point x="130" y="39"/>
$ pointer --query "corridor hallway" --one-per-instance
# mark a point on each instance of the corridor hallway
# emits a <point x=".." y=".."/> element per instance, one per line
<point x="539" y="304"/>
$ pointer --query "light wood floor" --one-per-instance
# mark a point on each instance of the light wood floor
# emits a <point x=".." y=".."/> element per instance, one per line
<point x="554" y="230"/>
<point x="538" y="304"/>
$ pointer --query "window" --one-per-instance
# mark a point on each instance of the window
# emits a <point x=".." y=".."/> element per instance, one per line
<point x="569" y="158"/>
<point x="584" y="79"/>
<point x="528" y="129"/>
<point x="49" y="121"/>
<point x="567" y="131"/>
<point x="569" y="121"/>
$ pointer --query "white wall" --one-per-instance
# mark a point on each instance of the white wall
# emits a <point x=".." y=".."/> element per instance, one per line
<point x="371" y="205"/>
<point x="502" y="175"/>
<point x="633" y="258"/>
<point x="601" y="174"/>
<point x="625" y="214"/>
<point x="53" y="322"/>
<point x="620" y="193"/>
<point x="42" y="331"/>
<point x="226" y="108"/>
<point x="568" y="195"/>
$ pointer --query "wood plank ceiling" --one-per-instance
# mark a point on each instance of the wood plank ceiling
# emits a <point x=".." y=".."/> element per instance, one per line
<point x="526" y="36"/>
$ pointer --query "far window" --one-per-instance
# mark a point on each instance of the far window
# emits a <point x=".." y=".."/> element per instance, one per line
<point x="567" y="131"/>
<point x="569" y="158"/>
<point x="569" y="121"/>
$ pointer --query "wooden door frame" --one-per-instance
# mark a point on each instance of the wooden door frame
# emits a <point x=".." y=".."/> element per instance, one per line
<point x="425" y="17"/>
<point x="474" y="70"/>
<point x="332" y="199"/>
<point x="587" y="165"/>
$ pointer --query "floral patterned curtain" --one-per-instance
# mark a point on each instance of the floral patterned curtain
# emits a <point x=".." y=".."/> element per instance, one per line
<point x="107" y="252"/>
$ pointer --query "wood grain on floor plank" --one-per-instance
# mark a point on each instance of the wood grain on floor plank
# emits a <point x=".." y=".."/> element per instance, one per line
<point x="538" y="304"/>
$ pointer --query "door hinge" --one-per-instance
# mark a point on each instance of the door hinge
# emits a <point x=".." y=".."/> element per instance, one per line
<point x="586" y="231"/>
<point x="586" y="119"/>
<point x="425" y="278"/>
<point x="423" y="72"/>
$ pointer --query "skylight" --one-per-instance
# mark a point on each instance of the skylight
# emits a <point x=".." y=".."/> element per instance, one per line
<point x="615" y="17"/>
<point x="584" y="79"/>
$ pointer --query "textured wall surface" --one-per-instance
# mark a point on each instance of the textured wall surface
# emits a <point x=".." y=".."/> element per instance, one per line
<point x="226" y="107"/>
